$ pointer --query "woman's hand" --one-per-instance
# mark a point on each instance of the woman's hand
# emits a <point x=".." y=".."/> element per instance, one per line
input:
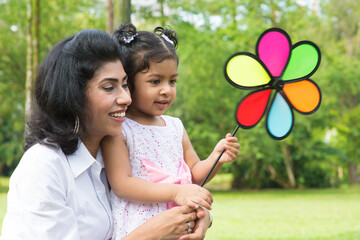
<point x="201" y="225"/>
<point x="193" y="195"/>
<point x="169" y="225"/>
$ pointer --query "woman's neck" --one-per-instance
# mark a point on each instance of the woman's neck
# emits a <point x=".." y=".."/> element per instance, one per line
<point x="92" y="145"/>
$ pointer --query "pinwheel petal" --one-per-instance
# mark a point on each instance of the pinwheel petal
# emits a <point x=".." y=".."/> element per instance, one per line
<point x="273" y="48"/>
<point x="304" y="96"/>
<point x="304" y="61"/>
<point x="251" y="109"/>
<point x="280" y="118"/>
<point x="243" y="70"/>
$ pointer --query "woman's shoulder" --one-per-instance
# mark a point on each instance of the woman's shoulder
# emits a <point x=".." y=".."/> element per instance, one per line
<point x="41" y="157"/>
<point x="41" y="151"/>
<point x="41" y="164"/>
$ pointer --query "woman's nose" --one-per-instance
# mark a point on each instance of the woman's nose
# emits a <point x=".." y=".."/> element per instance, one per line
<point x="123" y="98"/>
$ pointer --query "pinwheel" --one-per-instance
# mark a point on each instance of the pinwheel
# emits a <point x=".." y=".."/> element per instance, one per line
<point x="279" y="71"/>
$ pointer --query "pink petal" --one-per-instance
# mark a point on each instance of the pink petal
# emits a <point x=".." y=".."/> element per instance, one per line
<point x="273" y="49"/>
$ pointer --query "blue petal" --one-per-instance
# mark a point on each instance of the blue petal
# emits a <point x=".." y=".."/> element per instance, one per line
<point x="280" y="118"/>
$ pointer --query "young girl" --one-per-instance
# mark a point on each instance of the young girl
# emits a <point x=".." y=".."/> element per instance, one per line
<point x="159" y="149"/>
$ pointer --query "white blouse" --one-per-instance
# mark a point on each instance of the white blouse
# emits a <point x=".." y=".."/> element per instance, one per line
<point x="53" y="196"/>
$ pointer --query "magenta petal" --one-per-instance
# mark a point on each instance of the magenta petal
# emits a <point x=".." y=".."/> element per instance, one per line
<point x="273" y="49"/>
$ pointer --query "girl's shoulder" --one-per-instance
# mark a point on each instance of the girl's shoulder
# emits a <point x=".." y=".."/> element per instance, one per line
<point x="172" y="120"/>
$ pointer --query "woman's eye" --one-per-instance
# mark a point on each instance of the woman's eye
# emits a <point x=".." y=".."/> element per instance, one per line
<point x="125" y="85"/>
<point x="108" y="88"/>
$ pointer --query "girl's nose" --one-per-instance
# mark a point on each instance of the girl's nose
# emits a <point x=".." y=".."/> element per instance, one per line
<point x="165" y="89"/>
<point x="123" y="98"/>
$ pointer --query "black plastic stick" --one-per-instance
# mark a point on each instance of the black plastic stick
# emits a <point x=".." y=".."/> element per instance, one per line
<point x="217" y="160"/>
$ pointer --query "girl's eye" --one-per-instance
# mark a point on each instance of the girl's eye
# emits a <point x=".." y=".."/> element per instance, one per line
<point x="155" y="81"/>
<point x="173" y="81"/>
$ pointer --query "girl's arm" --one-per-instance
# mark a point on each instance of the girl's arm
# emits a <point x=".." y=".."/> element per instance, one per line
<point x="124" y="185"/>
<point x="199" y="169"/>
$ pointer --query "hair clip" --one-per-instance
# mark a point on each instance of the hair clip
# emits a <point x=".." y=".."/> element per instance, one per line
<point x="167" y="39"/>
<point x="128" y="40"/>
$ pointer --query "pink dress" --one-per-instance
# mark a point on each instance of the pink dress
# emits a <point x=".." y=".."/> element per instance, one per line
<point x="156" y="154"/>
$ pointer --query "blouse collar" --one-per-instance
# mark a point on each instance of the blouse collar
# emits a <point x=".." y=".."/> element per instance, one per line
<point x="81" y="159"/>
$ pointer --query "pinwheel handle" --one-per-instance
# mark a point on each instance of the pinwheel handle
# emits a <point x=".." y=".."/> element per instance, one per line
<point x="217" y="160"/>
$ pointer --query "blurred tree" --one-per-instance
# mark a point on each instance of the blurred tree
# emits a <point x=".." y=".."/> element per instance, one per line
<point x="348" y="141"/>
<point x="12" y="82"/>
<point x="29" y="55"/>
<point x="63" y="18"/>
<point x="122" y="11"/>
<point x="109" y="16"/>
<point x="32" y="46"/>
<point x="209" y="32"/>
<point x="341" y="36"/>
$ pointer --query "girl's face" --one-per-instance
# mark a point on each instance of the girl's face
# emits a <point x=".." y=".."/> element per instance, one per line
<point x="107" y="96"/>
<point x="155" y="89"/>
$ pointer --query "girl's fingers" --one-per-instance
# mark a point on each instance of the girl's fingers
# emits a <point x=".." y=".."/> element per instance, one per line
<point x="203" y="203"/>
<point x="206" y="195"/>
<point x="232" y="140"/>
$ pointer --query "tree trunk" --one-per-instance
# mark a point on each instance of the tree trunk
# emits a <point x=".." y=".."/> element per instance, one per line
<point x="277" y="177"/>
<point x="288" y="164"/>
<point x="354" y="173"/>
<point x="35" y="38"/>
<point x="110" y="16"/>
<point x="29" y="69"/>
<point x="122" y="11"/>
<point x="274" y="11"/>
<point x="162" y="13"/>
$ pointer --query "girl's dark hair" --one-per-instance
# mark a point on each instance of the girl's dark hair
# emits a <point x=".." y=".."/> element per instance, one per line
<point x="143" y="47"/>
<point x="58" y="94"/>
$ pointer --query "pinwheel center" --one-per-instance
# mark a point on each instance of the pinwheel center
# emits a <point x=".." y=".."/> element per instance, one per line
<point x="278" y="84"/>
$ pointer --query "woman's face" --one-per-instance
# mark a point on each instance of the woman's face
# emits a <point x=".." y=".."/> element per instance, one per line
<point x="107" y="97"/>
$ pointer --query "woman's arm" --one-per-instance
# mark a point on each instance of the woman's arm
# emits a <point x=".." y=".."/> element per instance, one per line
<point x="37" y="199"/>
<point x="118" y="170"/>
<point x="199" y="169"/>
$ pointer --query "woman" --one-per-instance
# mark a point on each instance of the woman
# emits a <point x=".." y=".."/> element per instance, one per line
<point x="59" y="190"/>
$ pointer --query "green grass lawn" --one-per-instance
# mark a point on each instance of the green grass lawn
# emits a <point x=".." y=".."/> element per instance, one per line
<point x="330" y="214"/>
<point x="4" y="185"/>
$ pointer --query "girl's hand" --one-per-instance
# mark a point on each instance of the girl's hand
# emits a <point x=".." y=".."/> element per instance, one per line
<point x="193" y="196"/>
<point x="231" y="146"/>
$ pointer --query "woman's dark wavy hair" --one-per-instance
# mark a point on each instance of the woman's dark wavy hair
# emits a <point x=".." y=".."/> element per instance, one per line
<point x="143" y="47"/>
<point x="58" y="94"/>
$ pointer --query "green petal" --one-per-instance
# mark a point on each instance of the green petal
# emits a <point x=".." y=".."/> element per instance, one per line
<point x="304" y="61"/>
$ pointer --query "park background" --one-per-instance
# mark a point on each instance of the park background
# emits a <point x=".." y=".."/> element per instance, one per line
<point x="303" y="187"/>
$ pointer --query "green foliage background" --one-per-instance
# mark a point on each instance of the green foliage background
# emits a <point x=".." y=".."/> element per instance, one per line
<point x="322" y="146"/>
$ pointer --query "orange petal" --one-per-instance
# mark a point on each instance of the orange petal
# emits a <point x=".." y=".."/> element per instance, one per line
<point x="304" y="95"/>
